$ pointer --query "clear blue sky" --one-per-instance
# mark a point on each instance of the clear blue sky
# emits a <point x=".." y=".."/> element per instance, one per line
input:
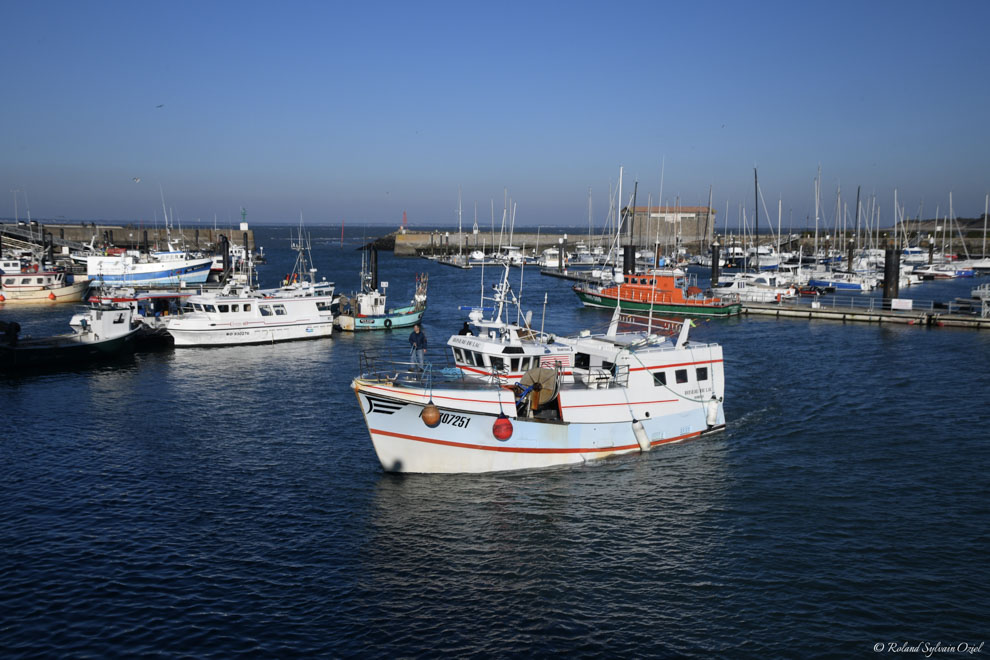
<point x="359" y="110"/>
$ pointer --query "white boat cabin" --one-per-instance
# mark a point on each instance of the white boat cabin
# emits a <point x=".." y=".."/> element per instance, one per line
<point x="41" y="281"/>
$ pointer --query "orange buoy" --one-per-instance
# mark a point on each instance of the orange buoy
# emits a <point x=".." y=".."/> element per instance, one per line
<point x="2" y="298"/>
<point x="431" y="415"/>
<point x="502" y="428"/>
<point x="51" y="296"/>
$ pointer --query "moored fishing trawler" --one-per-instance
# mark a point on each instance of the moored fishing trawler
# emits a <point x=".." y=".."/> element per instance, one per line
<point x="40" y="287"/>
<point x="367" y="310"/>
<point x="240" y="316"/>
<point x="628" y="392"/>
<point x="102" y="331"/>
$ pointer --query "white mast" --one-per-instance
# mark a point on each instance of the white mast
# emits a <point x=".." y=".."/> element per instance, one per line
<point x="618" y="228"/>
<point x="986" y="203"/>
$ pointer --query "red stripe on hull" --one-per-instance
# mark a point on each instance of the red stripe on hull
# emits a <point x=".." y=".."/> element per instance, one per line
<point x="530" y="450"/>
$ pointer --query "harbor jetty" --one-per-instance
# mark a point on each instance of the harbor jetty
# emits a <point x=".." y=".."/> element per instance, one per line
<point x="79" y="236"/>
<point x="407" y="243"/>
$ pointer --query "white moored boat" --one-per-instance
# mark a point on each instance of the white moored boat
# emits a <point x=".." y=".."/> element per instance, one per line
<point x="628" y="392"/>
<point x="243" y="317"/>
<point x="134" y="269"/>
<point x="40" y="287"/>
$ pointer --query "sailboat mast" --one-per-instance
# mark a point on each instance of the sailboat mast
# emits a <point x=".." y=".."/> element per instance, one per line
<point x="589" y="217"/>
<point x="780" y="210"/>
<point x="818" y="201"/>
<point x="708" y="218"/>
<point x="986" y="204"/>
<point x="756" y="218"/>
<point x="460" y="235"/>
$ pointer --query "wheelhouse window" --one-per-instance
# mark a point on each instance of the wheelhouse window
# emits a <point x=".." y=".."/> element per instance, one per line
<point x="497" y="363"/>
<point x="702" y="373"/>
<point x="224" y="308"/>
<point x="514" y="365"/>
<point x="247" y="307"/>
<point x="681" y="375"/>
<point x="582" y="361"/>
<point x="659" y="378"/>
<point x="265" y="310"/>
<point x="210" y="308"/>
<point x="9" y="280"/>
<point x="458" y="355"/>
<point x="235" y="308"/>
<point x="279" y="310"/>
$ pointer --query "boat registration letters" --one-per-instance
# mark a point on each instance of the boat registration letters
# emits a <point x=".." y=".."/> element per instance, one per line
<point x="458" y="421"/>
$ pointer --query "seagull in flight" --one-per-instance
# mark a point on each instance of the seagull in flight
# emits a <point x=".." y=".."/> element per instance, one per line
<point x="160" y="105"/>
<point x="137" y="179"/>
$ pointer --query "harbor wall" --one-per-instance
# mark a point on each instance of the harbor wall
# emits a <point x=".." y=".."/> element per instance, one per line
<point x="132" y="235"/>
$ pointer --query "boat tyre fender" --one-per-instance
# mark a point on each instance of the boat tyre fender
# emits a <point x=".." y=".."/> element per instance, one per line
<point x="388" y="323"/>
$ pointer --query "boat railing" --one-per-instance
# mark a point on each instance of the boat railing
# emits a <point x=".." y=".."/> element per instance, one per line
<point x="397" y="365"/>
<point x="655" y="326"/>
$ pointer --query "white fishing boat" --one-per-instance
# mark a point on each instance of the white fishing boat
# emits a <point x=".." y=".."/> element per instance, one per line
<point x="40" y="287"/>
<point x="150" y="310"/>
<point x="100" y="332"/>
<point x="242" y="316"/>
<point x="135" y="269"/>
<point x="628" y="392"/>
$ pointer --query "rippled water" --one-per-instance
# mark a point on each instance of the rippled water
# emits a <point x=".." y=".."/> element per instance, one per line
<point x="220" y="502"/>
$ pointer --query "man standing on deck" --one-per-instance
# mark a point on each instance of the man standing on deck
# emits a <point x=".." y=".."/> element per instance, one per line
<point x="417" y="339"/>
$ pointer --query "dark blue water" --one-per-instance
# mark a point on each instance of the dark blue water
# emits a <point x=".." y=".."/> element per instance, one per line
<point x="224" y="502"/>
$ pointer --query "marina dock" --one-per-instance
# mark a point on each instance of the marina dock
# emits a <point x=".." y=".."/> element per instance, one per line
<point x="870" y="310"/>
